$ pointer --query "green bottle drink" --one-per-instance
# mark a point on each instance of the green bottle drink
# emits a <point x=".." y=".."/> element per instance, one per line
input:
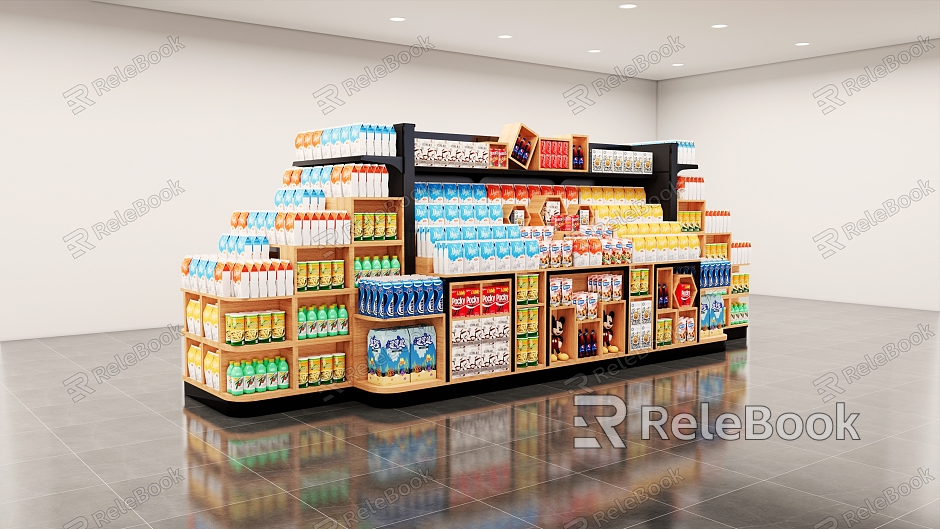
<point x="357" y="271"/>
<point x="302" y="323"/>
<point x="238" y="380"/>
<point x="377" y="266"/>
<point x="312" y="323"/>
<point x="366" y="268"/>
<point x="228" y="377"/>
<point x="396" y="266"/>
<point x="261" y="376"/>
<point x="332" y="316"/>
<point x="272" y="374"/>
<point x="342" y="321"/>
<point x="322" y="323"/>
<point x="386" y="266"/>
<point x="283" y="374"/>
<point x="249" y="376"/>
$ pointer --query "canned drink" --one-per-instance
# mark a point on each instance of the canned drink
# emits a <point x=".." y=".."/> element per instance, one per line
<point x="238" y="329"/>
<point x="368" y="226"/>
<point x="313" y="275"/>
<point x="533" y="327"/>
<point x="326" y="369"/>
<point x="391" y="226"/>
<point x="522" y="322"/>
<point x="378" y="232"/>
<point x="302" y="372"/>
<point x="522" y="289"/>
<point x="357" y="226"/>
<point x="522" y="352"/>
<point x="264" y="327"/>
<point x="251" y="329"/>
<point x="277" y="326"/>
<point x="301" y="277"/>
<point x="313" y="371"/>
<point x="533" y="288"/>
<point x="533" y="351"/>
<point x="339" y="367"/>
<point x="228" y="329"/>
<point x="644" y="281"/>
<point x="326" y="275"/>
<point x="339" y="274"/>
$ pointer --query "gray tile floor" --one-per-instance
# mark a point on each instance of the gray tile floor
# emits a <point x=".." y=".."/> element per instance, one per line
<point x="501" y="459"/>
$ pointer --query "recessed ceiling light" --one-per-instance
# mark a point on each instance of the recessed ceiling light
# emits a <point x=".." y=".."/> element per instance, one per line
<point x="397" y="19"/>
<point x="594" y="51"/>
<point x="679" y="64"/>
<point x="505" y="36"/>
<point x="802" y="43"/>
<point x="627" y="6"/>
<point x="719" y="26"/>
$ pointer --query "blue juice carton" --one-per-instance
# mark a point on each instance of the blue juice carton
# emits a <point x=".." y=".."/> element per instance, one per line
<point x="279" y="199"/>
<point x="401" y="298"/>
<point x="467" y="213"/>
<point x="499" y="231"/>
<point x="421" y="297"/>
<point x="453" y="258"/>
<point x="487" y="256"/>
<point x="451" y="214"/>
<point x="421" y="193"/>
<point x="435" y="193"/>
<point x="468" y="233"/>
<point x="450" y="194"/>
<point x="252" y="225"/>
<point x="513" y="231"/>
<point x="479" y="193"/>
<point x="481" y="214"/>
<point x="496" y="214"/>
<point x="517" y="247"/>
<point x="423" y="353"/>
<point x="452" y="233"/>
<point x="437" y="234"/>
<point x="471" y="258"/>
<point x="465" y="193"/>
<point x="422" y="215"/>
<point x="485" y="232"/>
<point x="503" y="256"/>
<point x="436" y="214"/>
<point x="387" y="298"/>
<point x="532" y="254"/>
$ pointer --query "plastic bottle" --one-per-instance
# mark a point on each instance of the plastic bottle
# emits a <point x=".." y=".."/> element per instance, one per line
<point x="377" y="266"/>
<point x="366" y="267"/>
<point x="283" y="374"/>
<point x="395" y="266"/>
<point x="322" y="322"/>
<point x="357" y="271"/>
<point x="238" y="380"/>
<point x="312" y="322"/>
<point x="228" y="377"/>
<point x="342" y="321"/>
<point x="248" y="375"/>
<point x="386" y="266"/>
<point x="261" y="376"/>
<point x="302" y="323"/>
<point x="332" y="316"/>
<point x="271" y="368"/>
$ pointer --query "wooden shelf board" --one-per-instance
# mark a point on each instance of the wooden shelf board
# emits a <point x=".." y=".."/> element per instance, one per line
<point x="393" y="161"/>
<point x="641" y="298"/>
<point x="286" y="344"/>
<point x="593" y="320"/>
<point x="485" y="376"/>
<point x="674" y="346"/>
<point x="470" y="277"/>
<point x="714" y="233"/>
<point x="231" y="299"/>
<point x="522" y="306"/>
<point x="311" y="247"/>
<point x="331" y="292"/>
<point x="481" y="316"/>
<point x="613" y="301"/>
<point x="585" y="360"/>
<point x="639" y="352"/>
<point x="735" y="325"/>
<point x="380" y="244"/>
<point x="326" y="339"/>
<point x="365" y="385"/>
<point x="709" y="339"/>
<point x="397" y="320"/>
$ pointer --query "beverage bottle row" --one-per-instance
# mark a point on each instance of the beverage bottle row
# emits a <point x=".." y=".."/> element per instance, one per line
<point x="257" y="376"/>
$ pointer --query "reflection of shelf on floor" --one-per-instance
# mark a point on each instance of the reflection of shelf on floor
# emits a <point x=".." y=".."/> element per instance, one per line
<point x="365" y="385"/>
<point x="585" y="360"/>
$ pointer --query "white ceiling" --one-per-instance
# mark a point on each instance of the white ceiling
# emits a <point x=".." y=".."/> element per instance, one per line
<point x="560" y="33"/>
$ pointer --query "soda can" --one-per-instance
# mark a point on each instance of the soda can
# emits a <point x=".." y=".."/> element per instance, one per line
<point x="238" y="329"/>
<point x="522" y="352"/>
<point x="326" y="369"/>
<point x="301" y="277"/>
<point x="339" y="274"/>
<point x="533" y="296"/>
<point x="264" y="327"/>
<point x="228" y="329"/>
<point x="378" y="231"/>
<point x="357" y="226"/>
<point x="368" y="226"/>
<point x="391" y="226"/>
<point x="313" y="275"/>
<point x="533" y="351"/>
<point x="326" y="275"/>
<point x="522" y="289"/>
<point x="251" y="329"/>
<point x="313" y="371"/>
<point x="303" y="372"/>
<point x="533" y="327"/>
<point x="277" y="325"/>
<point x="339" y="367"/>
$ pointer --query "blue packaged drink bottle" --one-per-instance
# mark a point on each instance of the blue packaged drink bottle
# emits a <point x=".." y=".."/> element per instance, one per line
<point x="439" y="296"/>
<point x="420" y="297"/>
<point x="408" y="287"/>
<point x="388" y="300"/>
<point x="363" y="308"/>
<point x="399" y="290"/>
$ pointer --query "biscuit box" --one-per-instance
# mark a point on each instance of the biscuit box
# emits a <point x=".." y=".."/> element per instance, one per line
<point x="423" y="352"/>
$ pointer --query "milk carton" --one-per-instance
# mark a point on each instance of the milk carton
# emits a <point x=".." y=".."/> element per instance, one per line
<point x="517" y="249"/>
<point x="503" y="256"/>
<point x="487" y="256"/>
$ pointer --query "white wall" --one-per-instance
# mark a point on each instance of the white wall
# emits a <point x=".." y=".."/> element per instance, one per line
<point x="787" y="172"/>
<point x="220" y="117"/>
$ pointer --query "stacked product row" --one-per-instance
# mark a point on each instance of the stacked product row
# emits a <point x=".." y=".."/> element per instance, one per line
<point x="257" y="376"/>
<point x="351" y="180"/>
<point x="480" y="345"/>
<point x="321" y="370"/>
<point x="322" y="322"/>
<point x="399" y="297"/>
<point x="349" y="140"/>
<point x="365" y="268"/>
<point x="237" y="278"/>
<point x="401" y="355"/>
<point x="686" y="149"/>
<point x="448" y="153"/>
<point x="625" y="162"/>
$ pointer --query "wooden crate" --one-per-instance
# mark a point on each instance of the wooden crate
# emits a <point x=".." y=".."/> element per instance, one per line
<point x="536" y="163"/>
<point x="534" y="216"/>
<point x="510" y="133"/>
<point x="492" y="163"/>
<point x="580" y="140"/>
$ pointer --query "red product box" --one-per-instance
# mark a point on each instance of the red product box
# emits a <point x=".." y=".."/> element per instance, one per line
<point x="532" y="191"/>
<point x="488" y="300"/>
<point x="493" y="193"/>
<point x="522" y="194"/>
<point x="559" y="190"/>
<point x="509" y="196"/>
<point x="502" y="299"/>
<point x="545" y="190"/>
<point x="472" y="301"/>
<point x="458" y="303"/>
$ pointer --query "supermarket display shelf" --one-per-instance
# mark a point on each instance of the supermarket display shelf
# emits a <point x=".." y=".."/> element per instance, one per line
<point x="675" y="346"/>
<point x="402" y="319"/>
<point x="481" y="316"/>
<point x="735" y="325"/>
<point x="485" y="376"/>
<point x="310" y="246"/>
<point x="365" y="385"/>
<point x="710" y="339"/>
<point x="641" y="298"/>
<point x="305" y="294"/>
<point x="713" y="232"/>
<point x="265" y="395"/>
<point x="585" y="360"/>
<point x="383" y="243"/>
<point x="227" y="348"/>
<point x="478" y="174"/>
<point x="392" y="161"/>
<point x="482" y="275"/>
